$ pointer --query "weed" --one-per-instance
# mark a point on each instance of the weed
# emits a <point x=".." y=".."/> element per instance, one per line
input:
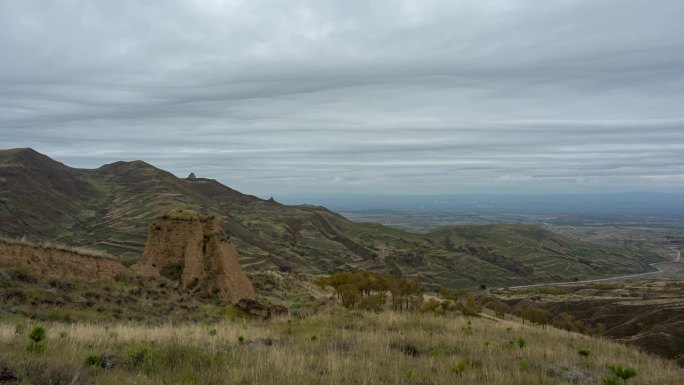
<point x="521" y="342"/>
<point x="459" y="367"/>
<point x="20" y="328"/>
<point x="93" y="360"/>
<point x="624" y="373"/>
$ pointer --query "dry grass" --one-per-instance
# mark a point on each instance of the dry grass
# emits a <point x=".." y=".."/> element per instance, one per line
<point x="57" y="246"/>
<point x="338" y="348"/>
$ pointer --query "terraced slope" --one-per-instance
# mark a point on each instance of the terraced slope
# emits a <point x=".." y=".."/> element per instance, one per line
<point x="111" y="207"/>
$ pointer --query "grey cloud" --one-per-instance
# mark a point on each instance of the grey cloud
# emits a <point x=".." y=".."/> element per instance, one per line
<point x="431" y="96"/>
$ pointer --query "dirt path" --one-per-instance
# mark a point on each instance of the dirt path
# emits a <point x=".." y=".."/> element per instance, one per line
<point x="656" y="266"/>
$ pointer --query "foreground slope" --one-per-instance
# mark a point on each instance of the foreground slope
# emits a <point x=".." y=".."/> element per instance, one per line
<point x="110" y="208"/>
<point x="338" y="348"/>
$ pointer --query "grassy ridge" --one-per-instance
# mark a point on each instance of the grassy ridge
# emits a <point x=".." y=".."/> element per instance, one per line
<point x="110" y="208"/>
<point x="338" y="348"/>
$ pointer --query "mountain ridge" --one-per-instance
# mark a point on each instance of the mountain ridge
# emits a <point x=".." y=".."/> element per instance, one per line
<point x="111" y="207"/>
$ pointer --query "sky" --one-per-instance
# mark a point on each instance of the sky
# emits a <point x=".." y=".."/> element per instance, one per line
<point x="354" y="96"/>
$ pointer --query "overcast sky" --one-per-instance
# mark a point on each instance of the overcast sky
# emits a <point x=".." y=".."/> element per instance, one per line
<point x="275" y="97"/>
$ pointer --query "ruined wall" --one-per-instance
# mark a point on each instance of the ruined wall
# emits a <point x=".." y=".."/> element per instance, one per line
<point x="54" y="263"/>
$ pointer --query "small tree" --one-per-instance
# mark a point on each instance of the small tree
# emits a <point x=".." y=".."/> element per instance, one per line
<point x="500" y="307"/>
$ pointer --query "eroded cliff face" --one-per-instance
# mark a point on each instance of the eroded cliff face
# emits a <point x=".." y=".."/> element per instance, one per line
<point x="56" y="263"/>
<point x="194" y="250"/>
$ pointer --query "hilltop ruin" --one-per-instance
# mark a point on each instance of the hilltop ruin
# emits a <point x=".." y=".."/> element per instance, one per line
<point x="195" y="251"/>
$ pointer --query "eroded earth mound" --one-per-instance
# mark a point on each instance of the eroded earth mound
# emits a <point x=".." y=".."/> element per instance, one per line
<point x="195" y="251"/>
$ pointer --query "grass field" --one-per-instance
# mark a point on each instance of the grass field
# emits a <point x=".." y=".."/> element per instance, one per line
<point x="341" y="347"/>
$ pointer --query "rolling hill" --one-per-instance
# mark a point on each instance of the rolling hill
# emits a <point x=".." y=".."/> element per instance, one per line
<point x="110" y="208"/>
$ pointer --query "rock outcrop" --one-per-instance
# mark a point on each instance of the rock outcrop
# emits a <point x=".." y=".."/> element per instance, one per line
<point x="195" y="251"/>
<point x="52" y="262"/>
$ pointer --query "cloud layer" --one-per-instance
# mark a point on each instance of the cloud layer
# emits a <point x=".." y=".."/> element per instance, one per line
<point x="354" y="96"/>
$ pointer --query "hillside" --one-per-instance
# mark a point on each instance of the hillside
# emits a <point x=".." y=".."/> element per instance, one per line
<point x="110" y="208"/>
<point x="342" y="347"/>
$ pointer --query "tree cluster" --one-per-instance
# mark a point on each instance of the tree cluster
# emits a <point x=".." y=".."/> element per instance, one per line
<point x="369" y="291"/>
<point x="530" y="312"/>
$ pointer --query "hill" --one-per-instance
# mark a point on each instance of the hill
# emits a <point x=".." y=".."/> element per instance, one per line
<point x="111" y="207"/>
<point x="343" y="347"/>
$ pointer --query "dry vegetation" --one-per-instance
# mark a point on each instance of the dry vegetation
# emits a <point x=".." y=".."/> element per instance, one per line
<point x="343" y="347"/>
<point x="80" y="250"/>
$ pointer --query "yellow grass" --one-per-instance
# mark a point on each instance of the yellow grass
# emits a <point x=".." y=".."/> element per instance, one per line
<point x="338" y="348"/>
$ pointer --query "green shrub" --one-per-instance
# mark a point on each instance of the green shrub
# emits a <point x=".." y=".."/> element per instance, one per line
<point x="584" y="352"/>
<point x="459" y="367"/>
<point x="37" y="334"/>
<point x="241" y="340"/>
<point x="624" y="373"/>
<point x="212" y="332"/>
<point x="94" y="360"/>
<point x="35" y="347"/>
<point x="610" y="380"/>
<point x="521" y="342"/>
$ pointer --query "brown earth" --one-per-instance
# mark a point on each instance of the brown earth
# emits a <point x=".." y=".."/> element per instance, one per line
<point x="647" y="313"/>
<point x="194" y="250"/>
<point x="657" y="328"/>
<point x="56" y="263"/>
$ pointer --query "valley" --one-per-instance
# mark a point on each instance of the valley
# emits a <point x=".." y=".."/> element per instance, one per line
<point x="71" y="235"/>
<point x="111" y="207"/>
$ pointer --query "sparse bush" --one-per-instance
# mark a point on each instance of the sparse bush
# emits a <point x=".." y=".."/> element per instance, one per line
<point x="584" y="353"/>
<point x="521" y="342"/>
<point x="567" y="322"/>
<point x="94" y="360"/>
<point x="37" y="334"/>
<point x="624" y="373"/>
<point x="459" y="367"/>
<point x="610" y="380"/>
<point x="499" y="307"/>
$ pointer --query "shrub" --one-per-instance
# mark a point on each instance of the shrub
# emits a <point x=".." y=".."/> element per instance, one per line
<point x="460" y="366"/>
<point x="584" y="352"/>
<point x="34" y="347"/>
<point x="624" y="373"/>
<point x="521" y="342"/>
<point x="37" y="334"/>
<point x="94" y="360"/>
